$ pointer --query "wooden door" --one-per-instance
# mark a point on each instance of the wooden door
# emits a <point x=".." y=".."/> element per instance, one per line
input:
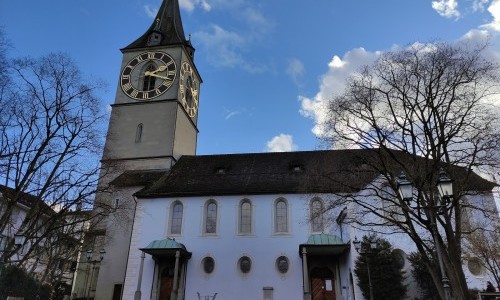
<point x="322" y="288"/>
<point x="166" y="285"/>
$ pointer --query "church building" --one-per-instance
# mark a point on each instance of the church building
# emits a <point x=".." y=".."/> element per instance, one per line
<point x="206" y="227"/>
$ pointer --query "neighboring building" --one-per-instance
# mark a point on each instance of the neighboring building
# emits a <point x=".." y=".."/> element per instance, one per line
<point x="51" y="259"/>
<point x="236" y="226"/>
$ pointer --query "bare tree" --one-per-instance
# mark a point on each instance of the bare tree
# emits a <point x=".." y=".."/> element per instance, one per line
<point x="481" y="242"/>
<point x="417" y="110"/>
<point x="51" y="137"/>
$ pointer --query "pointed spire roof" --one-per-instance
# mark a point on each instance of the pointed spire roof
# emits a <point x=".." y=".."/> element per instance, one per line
<point x="166" y="28"/>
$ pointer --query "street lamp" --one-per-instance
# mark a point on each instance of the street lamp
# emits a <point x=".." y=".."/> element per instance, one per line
<point x="366" y="248"/>
<point x="92" y="263"/>
<point x="445" y="188"/>
<point x="19" y="239"/>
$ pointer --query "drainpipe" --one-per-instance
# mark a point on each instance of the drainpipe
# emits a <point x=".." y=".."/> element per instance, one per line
<point x="305" y="275"/>
<point x="137" y="295"/>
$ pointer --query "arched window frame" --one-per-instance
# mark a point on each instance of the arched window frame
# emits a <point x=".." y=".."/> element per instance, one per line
<point x="210" y="217"/>
<point x="176" y="218"/>
<point x="316" y="215"/>
<point x="138" y="133"/>
<point x="245" y="217"/>
<point x="281" y="216"/>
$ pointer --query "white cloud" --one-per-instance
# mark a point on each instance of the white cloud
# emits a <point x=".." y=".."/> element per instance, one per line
<point x="494" y="10"/>
<point x="224" y="49"/>
<point x="228" y="48"/>
<point x="256" y="20"/>
<point x="281" y="143"/>
<point x="333" y="83"/>
<point x="190" y="5"/>
<point x="295" y="70"/>
<point x="478" y="5"/>
<point x="150" y="11"/>
<point x="230" y="114"/>
<point x="446" y="8"/>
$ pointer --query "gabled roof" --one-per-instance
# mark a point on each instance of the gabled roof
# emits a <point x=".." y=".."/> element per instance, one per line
<point x="262" y="173"/>
<point x="168" y="23"/>
<point x="25" y="199"/>
<point x="307" y="172"/>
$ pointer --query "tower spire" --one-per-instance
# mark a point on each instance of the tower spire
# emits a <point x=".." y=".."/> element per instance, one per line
<point x="166" y="28"/>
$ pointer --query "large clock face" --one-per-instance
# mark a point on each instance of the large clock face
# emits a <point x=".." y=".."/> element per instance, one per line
<point x="189" y="87"/>
<point x="148" y="75"/>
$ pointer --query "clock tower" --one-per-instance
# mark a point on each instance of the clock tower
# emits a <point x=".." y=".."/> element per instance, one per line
<point x="153" y="122"/>
<point x="154" y="117"/>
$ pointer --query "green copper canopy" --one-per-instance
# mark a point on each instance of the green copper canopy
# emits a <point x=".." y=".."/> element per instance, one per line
<point x="166" y="248"/>
<point x="324" y="239"/>
<point x="324" y="244"/>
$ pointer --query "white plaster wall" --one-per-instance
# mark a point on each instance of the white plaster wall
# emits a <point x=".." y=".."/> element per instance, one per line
<point x="263" y="247"/>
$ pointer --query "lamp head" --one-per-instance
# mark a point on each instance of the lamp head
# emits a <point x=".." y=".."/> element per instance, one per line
<point x="89" y="254"/>
<point x="19" y="238"/>
<point x="405" y="188"/>
<point x="357" y="244"/>
<point x="444" y="185"/>
<point x="102" y="252"/>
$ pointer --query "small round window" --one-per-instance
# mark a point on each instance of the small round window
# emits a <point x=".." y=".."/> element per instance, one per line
<point x="475" y="266"/>
<point x="208" y="264"/>
<point x="282" y="264"/>
<point x="245" y="264"/>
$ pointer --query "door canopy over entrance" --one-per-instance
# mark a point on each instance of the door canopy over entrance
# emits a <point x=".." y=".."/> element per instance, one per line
<point x="166" y="248"/>
<point x="324" y="244"/>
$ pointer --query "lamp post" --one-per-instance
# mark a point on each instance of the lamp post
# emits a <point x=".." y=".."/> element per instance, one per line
<point x="366" y="248"/>
<point x="91" y="266"/>
<point x="445" y="188"/>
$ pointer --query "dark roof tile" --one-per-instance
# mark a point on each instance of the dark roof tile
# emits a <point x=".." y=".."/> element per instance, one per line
<point x="330" y="171"/>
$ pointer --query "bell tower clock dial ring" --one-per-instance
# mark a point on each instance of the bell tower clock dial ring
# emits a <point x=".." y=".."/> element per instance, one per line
<point x="189" y="87"/>
<point x="148" y="75"/>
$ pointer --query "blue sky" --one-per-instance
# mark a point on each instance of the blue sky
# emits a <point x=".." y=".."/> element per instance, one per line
<point x="267" y="65"/>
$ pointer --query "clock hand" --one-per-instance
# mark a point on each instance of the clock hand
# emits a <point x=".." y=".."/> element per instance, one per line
<point x="156" y="75"/>
<point x="160" y="69"/>
<point x="152" y="73"/>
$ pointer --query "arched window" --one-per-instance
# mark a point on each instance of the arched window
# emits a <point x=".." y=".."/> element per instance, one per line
<point x="280" y="216"/>
<point x="138" y="133"/>
<point x="149" y="81"/>
<point x="211" y="217"/>
<point x="245" y="217"/>
<point x="317" y="215"/>
<point x="176" y="218"/>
